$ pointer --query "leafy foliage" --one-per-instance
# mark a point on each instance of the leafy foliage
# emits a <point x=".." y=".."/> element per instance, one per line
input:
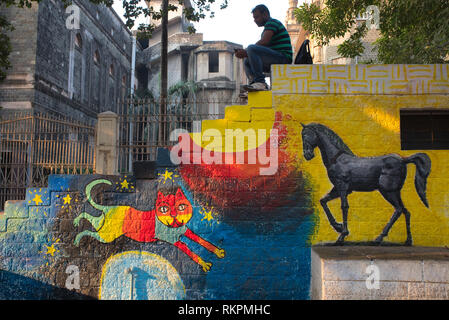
<point x="333" y="21"/>
<point x="182" y="97"/>
<point x="5" y="46"/>
<point x="411" y="31"/>
<point x="183" y="89"/>
<point x="198" y="11"/>
<point x="414" y="31"/>
<point x="353" y="47"/>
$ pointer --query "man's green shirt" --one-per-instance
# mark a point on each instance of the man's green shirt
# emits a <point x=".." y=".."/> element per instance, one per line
<point x="281" y="39"/>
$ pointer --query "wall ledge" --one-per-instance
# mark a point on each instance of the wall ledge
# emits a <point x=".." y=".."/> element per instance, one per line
<point x="379" y="273"/>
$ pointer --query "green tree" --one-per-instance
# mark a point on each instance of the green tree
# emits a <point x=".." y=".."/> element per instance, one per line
<point x="182" y="97"/>
<point x="411" y="31"/>
<point x="5" y="46"/>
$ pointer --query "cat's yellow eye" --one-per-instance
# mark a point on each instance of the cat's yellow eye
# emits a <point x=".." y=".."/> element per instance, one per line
<point x="182" y="207"/>
<point x="163" y="209"/>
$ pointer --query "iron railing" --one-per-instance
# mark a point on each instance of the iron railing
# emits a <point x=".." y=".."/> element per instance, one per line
<point x="143" y="128"/>
<point x="35" y="145"/>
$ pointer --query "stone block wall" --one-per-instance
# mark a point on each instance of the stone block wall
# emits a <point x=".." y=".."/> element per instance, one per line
<point x="52" y="71"/>
<point x="380" y="273"/>
<point x="17" y="89"/>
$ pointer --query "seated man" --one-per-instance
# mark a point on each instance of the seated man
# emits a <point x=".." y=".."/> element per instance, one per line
<point x="274" y="47"/>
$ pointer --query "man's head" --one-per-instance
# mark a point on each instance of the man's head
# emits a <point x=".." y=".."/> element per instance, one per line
<point x="261" y="15"/>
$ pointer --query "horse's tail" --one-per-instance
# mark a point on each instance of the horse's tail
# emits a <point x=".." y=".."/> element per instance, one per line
<point x="423" y="165"/>
<point x="89" y="189"/>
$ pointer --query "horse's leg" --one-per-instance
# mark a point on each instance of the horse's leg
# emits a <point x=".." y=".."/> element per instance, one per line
<point x="344" y="210"/>
<point x="393" y="197"/>
<point x="409" y="240"/>
<point x="333" y="194"/>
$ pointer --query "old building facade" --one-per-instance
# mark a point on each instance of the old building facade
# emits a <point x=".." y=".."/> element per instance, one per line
<point x="64" y="64"/>
<point x="210" y="65"/>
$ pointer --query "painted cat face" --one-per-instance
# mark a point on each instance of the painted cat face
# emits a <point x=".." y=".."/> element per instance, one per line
<point x="173" y="210"/>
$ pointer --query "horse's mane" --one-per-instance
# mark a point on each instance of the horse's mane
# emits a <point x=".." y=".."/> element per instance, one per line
<point x="336" y="140"/>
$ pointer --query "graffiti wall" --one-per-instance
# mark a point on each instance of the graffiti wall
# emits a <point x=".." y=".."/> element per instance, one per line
<point x="234" y="209"/>
<point x="358" y="108"/>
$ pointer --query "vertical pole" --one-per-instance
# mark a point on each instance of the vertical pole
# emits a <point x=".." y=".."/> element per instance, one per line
<point x="30" y="150"/>
<point x="130" y="271"/>
<point x="164" y="72"/>
<point x="133" y="67"/>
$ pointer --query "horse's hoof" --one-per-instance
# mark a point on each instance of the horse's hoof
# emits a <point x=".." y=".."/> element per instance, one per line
<point x="378" y="240"/>
<point x="338" y="227"/>
<point x="408" y="243"/>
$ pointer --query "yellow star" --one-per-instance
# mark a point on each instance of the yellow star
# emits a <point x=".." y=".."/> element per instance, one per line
<point x="125" y="184"/>
<point x="51" y="250"/>
<point x="167" y="175"/>
<point x="67" y="199"/>
<point x="37" y="199"/>
<point x="207" y="215"/>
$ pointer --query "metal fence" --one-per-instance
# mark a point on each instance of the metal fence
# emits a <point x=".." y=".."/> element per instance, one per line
<point x="143" y="128"/>
<point x="35" y="145"/>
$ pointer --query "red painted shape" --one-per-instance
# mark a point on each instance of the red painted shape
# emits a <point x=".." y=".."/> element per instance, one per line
<point x="183" y="247"/>
<point x="140" y="225"/>
<point x="192" y="236"/>
<point x="242" y="185"/>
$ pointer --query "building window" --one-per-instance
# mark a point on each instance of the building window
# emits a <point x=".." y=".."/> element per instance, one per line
<point x="78" y="41"/>
<point x="111" y="70"/>
<point x="213" y="62"/>
<point x="97" y="57"/>
<point x="424" y="129"/>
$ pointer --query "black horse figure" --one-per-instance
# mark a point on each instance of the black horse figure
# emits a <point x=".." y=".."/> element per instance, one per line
<point x="349" y="173"/>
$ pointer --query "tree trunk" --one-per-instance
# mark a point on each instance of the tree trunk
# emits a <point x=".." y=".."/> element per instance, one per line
<point x="164" y="75"/>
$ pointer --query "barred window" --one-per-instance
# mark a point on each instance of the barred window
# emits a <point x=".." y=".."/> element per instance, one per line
<point x="424" y="129"/>
<point x="78" y="41"/>
<point x="97" y="57"/>
<point x="111" y="70"/>
<point x="213" y="62"/>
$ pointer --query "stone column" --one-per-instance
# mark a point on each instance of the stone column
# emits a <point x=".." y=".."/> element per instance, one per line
<point x="106" y="152"/>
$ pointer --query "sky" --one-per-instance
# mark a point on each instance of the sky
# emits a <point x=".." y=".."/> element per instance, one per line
<point x="235" y="23"/>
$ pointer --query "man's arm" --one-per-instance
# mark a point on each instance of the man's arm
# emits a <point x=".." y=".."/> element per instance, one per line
<point x="264" y="41"/>
<point x="266" y="38"/>
<point x="240" y="53"/>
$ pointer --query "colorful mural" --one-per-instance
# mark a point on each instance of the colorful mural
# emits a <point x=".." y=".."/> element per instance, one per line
<point x="234" y="209"/>
<point x="166" y="222"/>
<point x="140" y="275"/>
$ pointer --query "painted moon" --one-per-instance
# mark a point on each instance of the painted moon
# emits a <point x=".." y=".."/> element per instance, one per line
<point x="140" y="275"/>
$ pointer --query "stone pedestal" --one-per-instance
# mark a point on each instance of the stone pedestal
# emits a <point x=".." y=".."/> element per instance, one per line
<point x="379" y="273"/>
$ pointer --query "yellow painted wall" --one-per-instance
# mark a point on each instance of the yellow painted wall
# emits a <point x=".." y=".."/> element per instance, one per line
<point x="362" y="104"/>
